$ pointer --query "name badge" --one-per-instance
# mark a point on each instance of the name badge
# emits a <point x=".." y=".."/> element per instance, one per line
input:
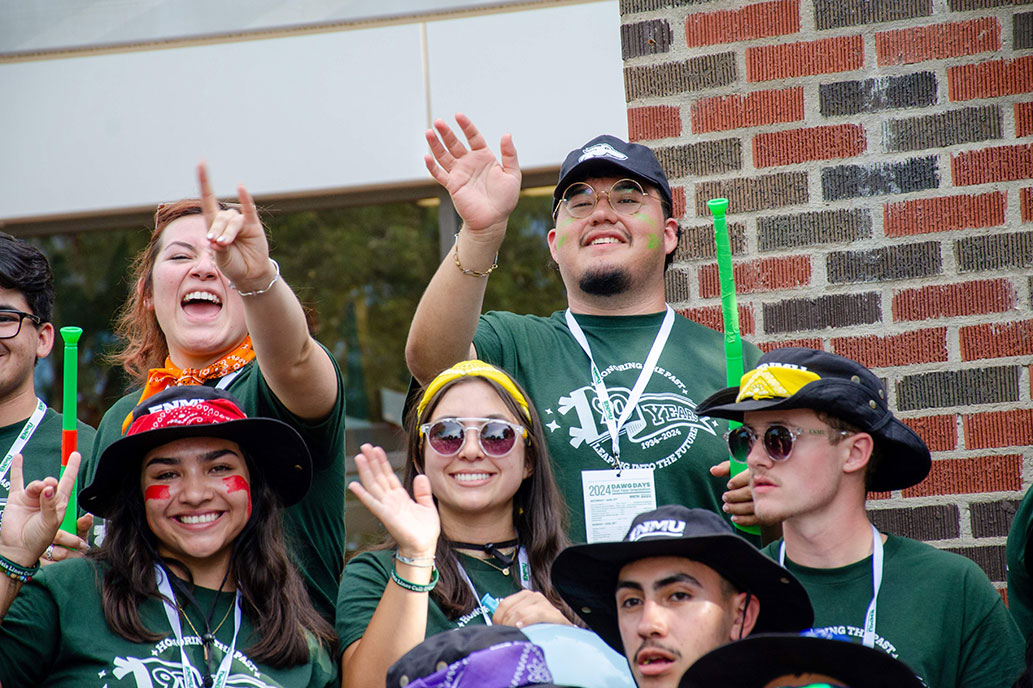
<point x="613" y="499"/>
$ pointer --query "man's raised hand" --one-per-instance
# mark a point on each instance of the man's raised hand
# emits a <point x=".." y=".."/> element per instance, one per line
<point x="483" y="190"/>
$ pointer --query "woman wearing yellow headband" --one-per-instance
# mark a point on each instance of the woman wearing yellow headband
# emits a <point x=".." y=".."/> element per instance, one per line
<point x="473" y="527"/>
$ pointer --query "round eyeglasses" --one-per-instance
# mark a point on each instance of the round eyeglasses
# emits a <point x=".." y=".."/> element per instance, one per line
<point x="496" y="437"/>
<point x="626" y="197"/>
<point x="11" y="322"/>
<point x="778" y="440"/>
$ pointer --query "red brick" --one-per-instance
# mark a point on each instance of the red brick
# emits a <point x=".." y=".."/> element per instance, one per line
<point x="1002" y="164"/>
<point x="825" y="56"/>
<point x="815" y="143"/>
<point x="879" y="495"/>
<point x="948" y="300"/>
<point x="678" y="201"/>
<point x="755" y="109"/>
<point x="711" y="317"/>
<point x="939" y="432"/>
<point x="1026" y="204"/>
<point x="990" y="79"/>
<point x="917" y="346"/>
<point x="810" y="343"/>
<point x="939" y="41"/>
<point x="1023" y="119"/>
<point x="998" y="429"/>
<point x="996" y="340"/>
<point x="653" y="122"/>
<point x="942" y="214"/>
<point x="753" y="21"/>
<point x="969" y="476"/>
<point x="766" y="274"/>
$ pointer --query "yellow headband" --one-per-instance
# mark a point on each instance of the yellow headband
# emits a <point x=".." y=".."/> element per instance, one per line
<point x="473" y="369"/>
<point x="773" y="382"/>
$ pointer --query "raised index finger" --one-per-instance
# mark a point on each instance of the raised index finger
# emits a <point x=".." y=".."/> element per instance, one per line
<point x="209" y="203"/>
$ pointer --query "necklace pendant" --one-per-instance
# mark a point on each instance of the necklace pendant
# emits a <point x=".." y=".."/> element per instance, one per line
<point x="505" y="571"/>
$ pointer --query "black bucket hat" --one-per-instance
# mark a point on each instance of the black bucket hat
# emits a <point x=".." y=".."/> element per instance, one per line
<point x="755" y="661"/>
<point x="586" y="575"/>
<point x="199" y="411"/>
<point x="800" y="378"/>
<point x="607" y="153"/>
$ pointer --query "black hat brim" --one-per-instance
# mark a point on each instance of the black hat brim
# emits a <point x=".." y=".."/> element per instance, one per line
<point x="586" y="578"/>
<point x="757" y="660"/>
<point x="274" y="447"/>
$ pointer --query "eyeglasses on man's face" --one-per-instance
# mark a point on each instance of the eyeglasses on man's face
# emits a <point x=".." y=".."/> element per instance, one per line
<point x="778" y="440"/>
<point x="626" y="197"/>
<point x="11" y="322"/>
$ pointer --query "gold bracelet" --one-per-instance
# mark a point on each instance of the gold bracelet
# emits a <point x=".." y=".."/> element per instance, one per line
<point x="468" y="271"/>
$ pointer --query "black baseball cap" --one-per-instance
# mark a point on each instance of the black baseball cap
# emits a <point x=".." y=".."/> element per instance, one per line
<point x="586" y="575"/>
<point x="200" y="411"/>
<point x="605" y="154"/>
<point x="756" y="661"/>
<point x="802" y="378"/>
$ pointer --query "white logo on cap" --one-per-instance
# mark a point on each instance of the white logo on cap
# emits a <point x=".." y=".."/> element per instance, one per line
<point x="168" y="406"/>
<point x="665" y="528"/>
<point x="776" y="364"/>
<point x="601" y="150"/>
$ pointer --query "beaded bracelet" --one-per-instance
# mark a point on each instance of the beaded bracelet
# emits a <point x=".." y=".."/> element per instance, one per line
<point x="17" y="571"/>
<point x="415" y="587"/>
<point x="418" y="562"/>
<point x="470" y="271"/>
<point x="259" y="292"/>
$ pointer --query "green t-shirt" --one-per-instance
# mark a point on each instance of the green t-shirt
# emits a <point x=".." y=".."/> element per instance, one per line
<point x="366" y="576"/>
<point x="937" y="612"/>
<point x="1020" y="578"/>
<point x="315" y="525"/>
<point x="55" y="634"/>
<point x="42" y="453"/>
<point x="663" y="433"/>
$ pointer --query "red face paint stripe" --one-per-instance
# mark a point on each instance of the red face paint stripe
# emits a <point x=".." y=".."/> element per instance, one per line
<point x="237" y="482"/>
<point x="157" y="492"/>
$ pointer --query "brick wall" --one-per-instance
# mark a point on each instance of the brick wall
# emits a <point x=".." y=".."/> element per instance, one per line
<point x="878" y="159"/>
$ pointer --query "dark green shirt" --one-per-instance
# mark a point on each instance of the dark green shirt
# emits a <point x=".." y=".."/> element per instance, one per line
<point x="1020" y="582"/>
<point x="366" y="576"/>
<point x="315" y="525"/>
<point x="55" y="635"/>
<point x="937" y="612"/>
<point x="664" y="432"/>
<point x="42" y="453"/>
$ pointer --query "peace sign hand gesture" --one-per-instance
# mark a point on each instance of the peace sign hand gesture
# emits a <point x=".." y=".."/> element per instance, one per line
<point x="237" y="238"/>
<point x="483" y="191"/>
<point x="33" y="513"/>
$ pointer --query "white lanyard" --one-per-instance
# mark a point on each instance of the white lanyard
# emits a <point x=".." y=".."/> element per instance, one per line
<point x="614" y="424"/>
<point x="524" y="568"/>
<point x="869" y="617"/>
<point x="226" y="379"/>
<point x="173" y="615"/>
<point x="19" y="443"/>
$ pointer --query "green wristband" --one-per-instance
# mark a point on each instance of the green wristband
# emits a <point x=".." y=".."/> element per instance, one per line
<point x="415" y="587"/>
<point x="24" y="574"/>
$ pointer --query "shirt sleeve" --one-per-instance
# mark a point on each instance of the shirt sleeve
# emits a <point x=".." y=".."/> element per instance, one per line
<point x="362" y="585"/>
<point x="29" y="637"/>
<point x="993" y="650"/>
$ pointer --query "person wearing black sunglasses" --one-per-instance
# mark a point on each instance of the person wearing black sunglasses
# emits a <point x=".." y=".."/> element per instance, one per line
<point x="618" y="373"/>
<point x="818" y="435"/>
<point x="473" y="526"/>
<point x="27" y="425"/>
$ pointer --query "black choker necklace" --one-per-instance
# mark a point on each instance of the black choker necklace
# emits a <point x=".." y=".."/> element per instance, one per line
<point x="492" y="550"/>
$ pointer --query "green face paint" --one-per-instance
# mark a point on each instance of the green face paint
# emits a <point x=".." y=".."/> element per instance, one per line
<point x="653" y="242"/>
<point x="562" y="240"/>
<point x="647" y="218"/>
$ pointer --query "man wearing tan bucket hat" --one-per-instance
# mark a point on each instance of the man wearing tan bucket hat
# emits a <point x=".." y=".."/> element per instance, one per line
<point x="817" y="435"/>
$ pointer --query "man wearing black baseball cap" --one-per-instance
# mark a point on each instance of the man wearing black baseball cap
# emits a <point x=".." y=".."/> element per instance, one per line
<point x="817" y="435"/>
<point x="678" y="585"/>
<point x="618" y="374"/>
